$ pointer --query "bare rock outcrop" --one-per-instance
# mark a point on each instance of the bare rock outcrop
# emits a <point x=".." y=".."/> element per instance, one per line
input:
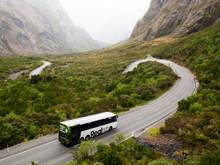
<point x="176" y="18"/>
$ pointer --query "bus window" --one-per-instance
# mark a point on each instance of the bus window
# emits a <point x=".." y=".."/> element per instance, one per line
<point x="114" y="118"/>
<point x="75" y="129"/>
<point x="99" y="123"/>
<point x="95" y="124"/>
<point x="105" y="121"/>
<point x="75" y="134"/>
<point x="85" y="127"/>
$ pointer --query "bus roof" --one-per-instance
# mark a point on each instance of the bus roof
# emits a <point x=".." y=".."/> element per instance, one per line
<point x="88" y="119"/>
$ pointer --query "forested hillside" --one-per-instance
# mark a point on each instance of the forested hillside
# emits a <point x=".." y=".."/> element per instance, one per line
<point x="198" y="118"/>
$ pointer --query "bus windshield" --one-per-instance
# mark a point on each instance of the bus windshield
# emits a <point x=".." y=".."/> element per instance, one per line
<point x="63" y="129"/>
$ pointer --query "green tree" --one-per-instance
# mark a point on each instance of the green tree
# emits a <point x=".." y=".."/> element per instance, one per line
<point x="109" y="156"/>
<point x="35" y="79"/>
<point x="85" y="150"/>
<point x="119" y="138"/>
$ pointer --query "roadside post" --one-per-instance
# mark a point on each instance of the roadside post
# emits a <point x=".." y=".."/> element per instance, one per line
<point x="8" y="149"/>
<point x="132" y="134"/>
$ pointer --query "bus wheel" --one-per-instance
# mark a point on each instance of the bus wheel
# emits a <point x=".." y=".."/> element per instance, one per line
<point x="81" y="139"/>
<point x="110" y="128"/>
<point x="87" y="137"/>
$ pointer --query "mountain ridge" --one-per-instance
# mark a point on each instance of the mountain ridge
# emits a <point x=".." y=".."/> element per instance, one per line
<point x="39" y="27"/>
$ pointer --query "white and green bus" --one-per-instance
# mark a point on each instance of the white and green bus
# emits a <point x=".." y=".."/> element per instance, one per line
<point x="74" y="131"/>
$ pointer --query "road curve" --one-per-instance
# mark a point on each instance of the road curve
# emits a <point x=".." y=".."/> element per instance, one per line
<point x="135" y="120"/>
<point x="40" y="69"/>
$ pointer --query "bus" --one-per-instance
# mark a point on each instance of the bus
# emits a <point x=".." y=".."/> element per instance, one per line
<point x="74" y="131"/>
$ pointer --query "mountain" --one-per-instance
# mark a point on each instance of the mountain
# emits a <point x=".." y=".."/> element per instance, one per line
<point x="38" y="27"/>
<point x="176" y="18"/>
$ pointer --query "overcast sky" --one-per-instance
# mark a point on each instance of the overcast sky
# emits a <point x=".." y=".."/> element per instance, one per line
<point x="108" y="21"/>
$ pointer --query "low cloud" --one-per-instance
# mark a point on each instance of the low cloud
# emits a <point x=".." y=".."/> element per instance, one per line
<point x="108" y="21"/>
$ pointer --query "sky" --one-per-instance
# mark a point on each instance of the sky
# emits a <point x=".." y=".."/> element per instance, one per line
<point x="108" y="21"/>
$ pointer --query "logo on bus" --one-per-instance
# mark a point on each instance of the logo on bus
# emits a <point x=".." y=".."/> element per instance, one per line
<point x="96" y="133"/>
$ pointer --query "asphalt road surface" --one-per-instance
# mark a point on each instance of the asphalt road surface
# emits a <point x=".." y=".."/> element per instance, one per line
<point x="134" y="121"/>
<point x="36" y="71"/>
<point x="14" y="76"/>
<point x="40" y="69"/>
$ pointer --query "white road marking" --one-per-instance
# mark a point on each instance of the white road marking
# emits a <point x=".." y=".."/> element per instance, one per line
<point x="11" y="156"/>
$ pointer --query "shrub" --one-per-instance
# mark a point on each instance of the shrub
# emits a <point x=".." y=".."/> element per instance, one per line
<point x="210" y="158"/>
<point x="35" y="79"/>
<point x="160" y="162"/>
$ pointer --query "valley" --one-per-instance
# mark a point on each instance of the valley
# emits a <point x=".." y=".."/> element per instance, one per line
<point x="92" y="83"/>
<point x="92" y="66"/>
<point x="141" y="116"/>
<point x="167" y="72"/>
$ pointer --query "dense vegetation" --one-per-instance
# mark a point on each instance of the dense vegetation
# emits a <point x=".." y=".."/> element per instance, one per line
<point x="197" y="122"/>
<point x="131" y="153"/>
<point x="90" y="84"/>
<point x="124" y="153"/>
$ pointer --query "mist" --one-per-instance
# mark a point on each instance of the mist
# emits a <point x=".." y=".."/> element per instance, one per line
<point x="108" y="21"/>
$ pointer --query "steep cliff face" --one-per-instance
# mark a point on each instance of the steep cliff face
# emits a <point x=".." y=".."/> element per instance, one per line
<point x="176" y="18"/>
<point x="39" y="26"/>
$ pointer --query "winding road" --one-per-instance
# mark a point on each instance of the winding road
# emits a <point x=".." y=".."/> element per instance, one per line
<point x="36" y="71"/>
<point x="136" y="120"/>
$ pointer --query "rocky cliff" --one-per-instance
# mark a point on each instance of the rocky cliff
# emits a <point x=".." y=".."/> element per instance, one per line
<point x="38" y="27"/>
<point x="176" y="18"/>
